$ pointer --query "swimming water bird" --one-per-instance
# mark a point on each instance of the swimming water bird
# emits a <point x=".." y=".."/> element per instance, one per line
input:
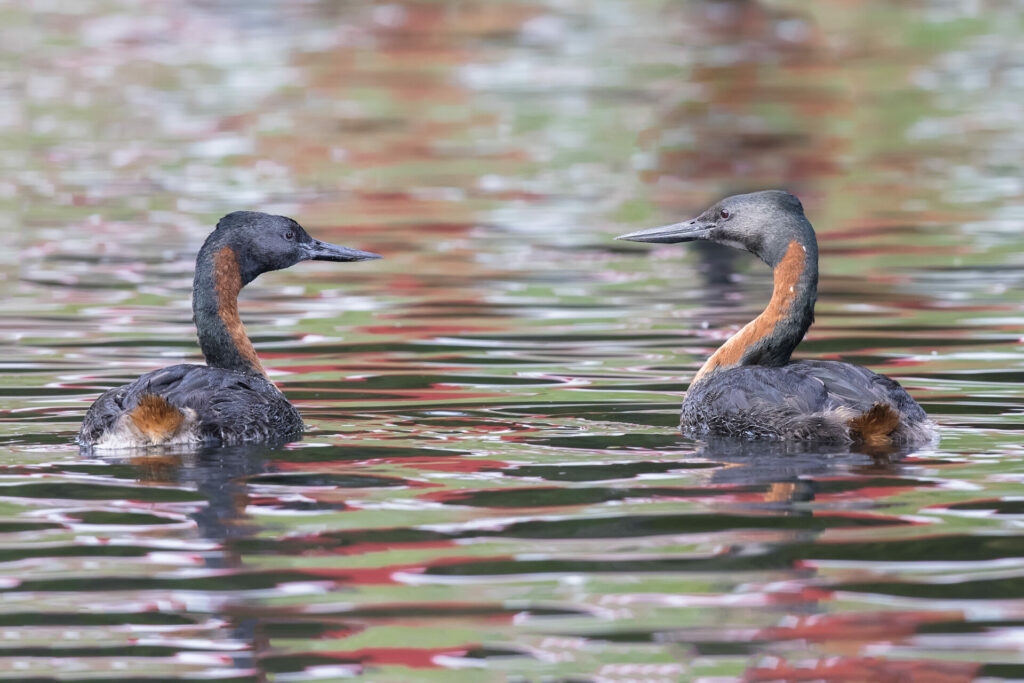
<point x="750" y="388"/>
<point x="229" y="400"/>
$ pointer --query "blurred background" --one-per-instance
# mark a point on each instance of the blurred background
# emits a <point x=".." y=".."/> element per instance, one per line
<point x="492" y="487"/>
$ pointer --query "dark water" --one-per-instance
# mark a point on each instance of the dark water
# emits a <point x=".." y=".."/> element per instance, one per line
<point x="492" y="487"/>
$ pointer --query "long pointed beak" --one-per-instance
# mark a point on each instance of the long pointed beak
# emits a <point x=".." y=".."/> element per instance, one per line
<point x="325" y="251"/>
<point x="669" y="234"/>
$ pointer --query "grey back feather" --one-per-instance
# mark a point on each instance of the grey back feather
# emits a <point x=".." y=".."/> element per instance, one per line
<point x="802" y="400"/>
<point x="231" y="407"/>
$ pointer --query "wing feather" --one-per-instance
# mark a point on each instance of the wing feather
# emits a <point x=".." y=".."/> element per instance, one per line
<point x="804" y="399"/>
<point x="230" y="407"/>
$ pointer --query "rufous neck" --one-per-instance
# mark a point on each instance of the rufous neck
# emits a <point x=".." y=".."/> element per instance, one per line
<point x="222" y="335"/>
<point x="771" y="337"/>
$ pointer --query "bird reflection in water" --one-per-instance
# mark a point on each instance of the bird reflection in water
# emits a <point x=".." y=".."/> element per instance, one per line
<point x="220" y="475"/>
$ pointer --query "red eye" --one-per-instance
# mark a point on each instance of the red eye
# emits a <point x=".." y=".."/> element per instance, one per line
<point x="725" y="213"/>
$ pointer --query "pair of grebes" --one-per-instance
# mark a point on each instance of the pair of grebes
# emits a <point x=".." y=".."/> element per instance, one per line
<point x="749" y="388"/>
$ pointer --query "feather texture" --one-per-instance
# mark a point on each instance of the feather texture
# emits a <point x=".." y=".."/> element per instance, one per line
<point x="809" y="399"/>
<point x="218" y="406"/>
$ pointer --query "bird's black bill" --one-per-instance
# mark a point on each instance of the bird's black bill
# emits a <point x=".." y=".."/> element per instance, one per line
<point x="325" y="251"/>
<point x="670" y="234"/>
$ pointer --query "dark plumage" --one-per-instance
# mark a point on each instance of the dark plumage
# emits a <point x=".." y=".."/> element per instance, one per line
<point x="227" y="407"/>
<point x="750" y="388"/>
<point x="803" y="400"/>
<point x="229" y="400"/>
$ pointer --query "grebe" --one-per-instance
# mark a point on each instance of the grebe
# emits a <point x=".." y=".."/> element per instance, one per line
<point x="750" y="388"/>
<point x="229" y="400"/>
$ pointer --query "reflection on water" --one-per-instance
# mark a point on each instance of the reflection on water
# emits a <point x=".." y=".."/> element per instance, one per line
<point x="492" y="487"/>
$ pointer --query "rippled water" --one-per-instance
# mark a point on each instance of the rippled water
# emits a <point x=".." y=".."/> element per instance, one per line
<point x="492" y="487"/>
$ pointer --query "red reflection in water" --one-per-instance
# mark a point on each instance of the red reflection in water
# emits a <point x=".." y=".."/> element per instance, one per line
<point x="416" y="658"/>
<point x="443" y="463"/>
<point x="861" y="670"/>
<point x="867" y="627"/>
<point x="406" y="656"/>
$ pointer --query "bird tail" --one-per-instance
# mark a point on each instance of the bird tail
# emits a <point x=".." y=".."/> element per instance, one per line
<point x="873" y="429"/>
<point x="156" y="419"/>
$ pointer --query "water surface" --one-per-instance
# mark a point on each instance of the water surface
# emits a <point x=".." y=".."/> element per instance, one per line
<point x="492" y="487"/>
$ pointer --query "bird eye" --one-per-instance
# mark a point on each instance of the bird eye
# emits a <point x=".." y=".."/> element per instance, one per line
<point x="289" y="235"/>
<point x="725" y="213"/>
